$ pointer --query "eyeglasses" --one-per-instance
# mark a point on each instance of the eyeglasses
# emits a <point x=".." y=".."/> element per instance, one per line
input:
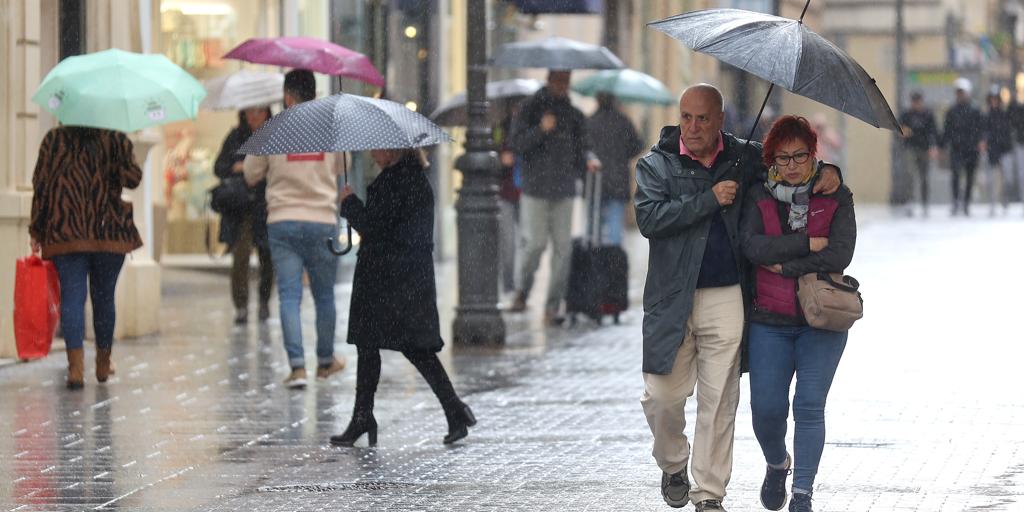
<point x="799" y="158"/>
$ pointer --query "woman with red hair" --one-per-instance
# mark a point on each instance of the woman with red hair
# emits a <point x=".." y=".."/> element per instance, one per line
<point x="788" y="231"/>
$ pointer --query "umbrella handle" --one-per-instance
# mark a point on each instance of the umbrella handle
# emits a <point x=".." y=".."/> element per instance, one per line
<point x="332" y="244"/>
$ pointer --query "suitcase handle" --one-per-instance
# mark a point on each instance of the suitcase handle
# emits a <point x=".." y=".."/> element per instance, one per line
<point x="592" y="198"/>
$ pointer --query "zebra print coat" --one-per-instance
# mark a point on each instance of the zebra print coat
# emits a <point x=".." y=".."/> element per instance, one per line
<point x="76" y="205"/>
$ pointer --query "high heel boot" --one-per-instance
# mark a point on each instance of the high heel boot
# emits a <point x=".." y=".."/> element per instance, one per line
<point x="361" y="423"/>
<point x="460" y="418"/>
<point x="76" y="368"/>
<point x="103" y="368"/>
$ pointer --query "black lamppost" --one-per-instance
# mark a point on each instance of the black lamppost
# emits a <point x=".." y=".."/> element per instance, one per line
<point x="477" y="318"/>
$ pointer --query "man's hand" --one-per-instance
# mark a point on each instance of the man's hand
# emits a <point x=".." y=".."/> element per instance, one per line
<point x="818" y="243"/>
<point x="776" y="268"/>
<point x="345" y="192"/>
<point x="933" y="153"/>
<point x="725" y="192"/>
<point x="548" y="122"/>
<point x="508" y="158"/>
<point x="983" y="147"/>
<point x="828" y="182"/>
<point x="238" y="167"/>
<point x="593" y="165"/>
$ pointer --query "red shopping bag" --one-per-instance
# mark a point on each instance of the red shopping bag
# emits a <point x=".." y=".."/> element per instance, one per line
<point x="36" y="306"/>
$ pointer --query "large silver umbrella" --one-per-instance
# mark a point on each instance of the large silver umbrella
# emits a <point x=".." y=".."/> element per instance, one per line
<point x="556" y="53"/>
<point x="343" y="122"/>
<point x="243" y="89"/>
<point x="785" y="53"/>
<point x="501" y="94"/>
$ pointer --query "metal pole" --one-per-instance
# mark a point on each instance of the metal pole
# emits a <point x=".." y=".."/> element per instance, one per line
<point x="477" y="318"/>
<point x="897" y="196"/>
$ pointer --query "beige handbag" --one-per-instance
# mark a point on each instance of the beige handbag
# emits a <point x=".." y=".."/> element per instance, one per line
<point x="830" y="301"/>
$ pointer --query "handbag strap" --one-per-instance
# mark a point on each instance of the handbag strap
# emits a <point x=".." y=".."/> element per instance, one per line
<point x="849" y="284"/>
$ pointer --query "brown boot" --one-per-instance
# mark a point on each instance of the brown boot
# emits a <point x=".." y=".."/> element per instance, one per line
<point x="76" y="368"/>
<point x="103" y="369"/>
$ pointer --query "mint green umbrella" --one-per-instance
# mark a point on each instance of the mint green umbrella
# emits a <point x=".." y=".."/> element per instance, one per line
<point x="119" y="90"/>
<point x="627" y="85"/>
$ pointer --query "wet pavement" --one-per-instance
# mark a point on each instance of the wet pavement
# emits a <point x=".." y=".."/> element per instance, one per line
<point x="926" y="412"/>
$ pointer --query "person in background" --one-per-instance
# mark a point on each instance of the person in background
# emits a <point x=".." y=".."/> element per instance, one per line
<point x="245" y="230"/>
<point x="508" y="205"/>
<point x="1016" y="110"/>
<point x="80" y="223"/>
<point x="999" y="143"/>
<point x="962" y="134"/>
<point x="789" y="230"/>
<point x="302" y="212"/>
<point x="616" y="142"/>
<point x="920" y="138"/>
<point x="394" y="297"/>
<point x="549" y="136"/>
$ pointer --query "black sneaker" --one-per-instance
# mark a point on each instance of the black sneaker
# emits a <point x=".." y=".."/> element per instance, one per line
<point x="800" y="503"/>
<point x="709" y="505"/>
<point x="773" y="489"/>
<point x="675" y="489"/>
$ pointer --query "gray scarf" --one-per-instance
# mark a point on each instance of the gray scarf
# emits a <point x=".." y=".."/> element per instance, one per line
<point x="797" y="197"/>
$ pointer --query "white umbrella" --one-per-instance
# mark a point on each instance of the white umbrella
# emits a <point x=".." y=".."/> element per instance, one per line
<point x="243" y="89"/>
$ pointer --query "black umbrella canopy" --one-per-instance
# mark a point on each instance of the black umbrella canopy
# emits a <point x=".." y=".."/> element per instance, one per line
<point x="502" y="95"/>
<point x="556" y="53"/>
<point x="344" y="122"/>
<point x="785" y="53"/>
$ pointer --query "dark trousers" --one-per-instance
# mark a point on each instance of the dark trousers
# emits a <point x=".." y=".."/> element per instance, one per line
<point x="96" y="272"/>
<point x="429" y="366"/>
<point x="963" y="165"/>
<point x="919" y="159"/>
<point x="240" y="252"/>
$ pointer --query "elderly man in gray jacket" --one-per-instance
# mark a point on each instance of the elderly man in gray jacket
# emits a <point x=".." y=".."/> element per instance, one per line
<point x="689" y="192"/>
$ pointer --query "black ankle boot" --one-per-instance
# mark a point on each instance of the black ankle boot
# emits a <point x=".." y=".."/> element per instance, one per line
<point x="460" y="418"/>
<point x="360" y="424"/>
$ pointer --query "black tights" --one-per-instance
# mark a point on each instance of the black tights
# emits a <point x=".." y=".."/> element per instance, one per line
<point x="429" y="366"/>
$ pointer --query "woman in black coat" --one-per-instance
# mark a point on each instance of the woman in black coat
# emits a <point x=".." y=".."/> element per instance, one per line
<point x="245" y="229"/>
<point x="394" y="301"/>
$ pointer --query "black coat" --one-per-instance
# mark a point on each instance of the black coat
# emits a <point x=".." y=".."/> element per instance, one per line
<point x="394" y="299"/>
<point x="998" y="134"/>
<point x="551" y="162"/>
<point x="231" y="223"/>
<point x="963" y="128"/>
<point x="616" y="142"/>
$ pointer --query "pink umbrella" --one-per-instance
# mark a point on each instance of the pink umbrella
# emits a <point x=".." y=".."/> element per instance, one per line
<point x="308" y="53"/>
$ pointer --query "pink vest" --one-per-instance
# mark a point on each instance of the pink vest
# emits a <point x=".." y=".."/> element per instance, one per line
<point x="775" y="292"/>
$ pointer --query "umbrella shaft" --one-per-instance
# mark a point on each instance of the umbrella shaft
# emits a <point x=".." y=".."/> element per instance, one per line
<point x="757" y="120"/>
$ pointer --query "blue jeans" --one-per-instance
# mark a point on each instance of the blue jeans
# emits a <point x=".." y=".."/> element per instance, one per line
<point x="613" y="216"/>
<point x="296" y="246"/>
<point x="776" y="353"/>
<point x="97" y="272"/>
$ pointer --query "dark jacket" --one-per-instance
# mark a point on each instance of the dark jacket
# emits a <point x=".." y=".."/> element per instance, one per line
<point x="924" y="133"/>
<point x="674" y="210"/>
<point x="551" y="162"/>
<point x="616" y="142"/>
<point x="231" y="223"/>
<point x="962" y="129"/>
<point x="394" y="300"/>
<point x="1016" y="111"/>
<point x="998" y="134"/>
<point x="792" y="249"/>
<point x="76" y="200"/>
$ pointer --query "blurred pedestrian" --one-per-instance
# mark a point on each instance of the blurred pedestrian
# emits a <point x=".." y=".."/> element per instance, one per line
<point x="1016" y="111"/>
<point x="302" y="210"/>
<point x="687" y="206"/>
<point x="616" y="142"/>
<point x="245" y="229"/>
<point x="508" y="204"/>
<point x="962" y="133"/>
<point x="788" y="230"/>
<point x="80" y="222"/>
<point x="550" y="137"/>
<point x="394" y="300"/>
<point x="999" y="145"/>
<point x="920" y="138"/>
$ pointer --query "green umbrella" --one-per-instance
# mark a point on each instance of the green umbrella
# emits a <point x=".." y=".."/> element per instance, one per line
<point x="627" y="85"/>
<point x="119" y="90"/>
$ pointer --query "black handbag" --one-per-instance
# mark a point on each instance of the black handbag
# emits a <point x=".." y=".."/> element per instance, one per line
<point x="231" y="195"/>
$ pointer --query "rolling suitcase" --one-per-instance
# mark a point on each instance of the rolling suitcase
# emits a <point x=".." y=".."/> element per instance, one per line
<point x="598" y="274"/>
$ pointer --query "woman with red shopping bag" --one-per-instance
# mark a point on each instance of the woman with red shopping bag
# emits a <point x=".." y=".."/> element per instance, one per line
<point x="80" y="223"/>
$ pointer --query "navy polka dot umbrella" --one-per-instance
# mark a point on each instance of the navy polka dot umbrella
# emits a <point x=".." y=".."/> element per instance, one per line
<point x="344" y="122"/>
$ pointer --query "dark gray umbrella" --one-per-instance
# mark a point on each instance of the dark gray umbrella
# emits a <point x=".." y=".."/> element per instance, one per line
<point x="344" y="122"/>
<point x="785" y="53"/>
<point x="556" y="53"/>
<point x="501" y="94"/>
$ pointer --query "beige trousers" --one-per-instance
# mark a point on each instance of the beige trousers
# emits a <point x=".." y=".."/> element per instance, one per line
<point x="709" y="358"/>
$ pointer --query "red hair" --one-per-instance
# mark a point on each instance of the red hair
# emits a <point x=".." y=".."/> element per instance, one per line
<point x="786" y="129"/>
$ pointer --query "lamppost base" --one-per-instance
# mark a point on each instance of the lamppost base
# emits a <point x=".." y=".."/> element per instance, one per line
<point x="478" y="328"/>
